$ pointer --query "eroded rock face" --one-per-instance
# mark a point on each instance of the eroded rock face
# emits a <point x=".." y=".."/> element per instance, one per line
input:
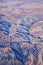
<point x="21" y="32"/>
<point x="37" y="32"/>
